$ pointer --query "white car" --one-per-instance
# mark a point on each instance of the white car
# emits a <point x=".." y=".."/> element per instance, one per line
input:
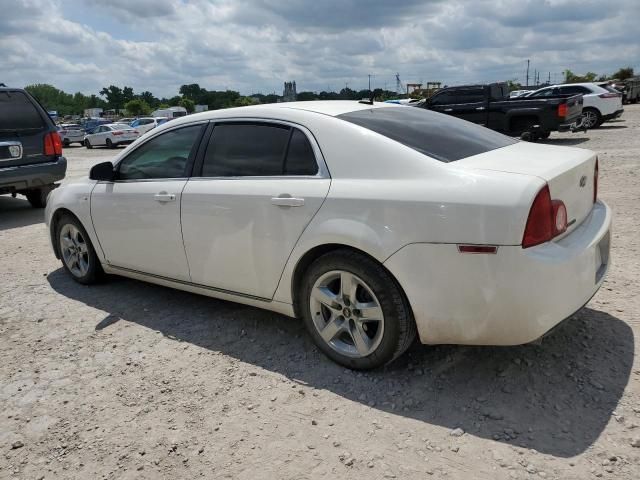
<point x="111" y="135"/>
<point x="519" y="93"/>
<point x="143" y="125"/>
<point x="600" y="104"/>
<point x="71" y="133"/>
<point x="369" y="222"/>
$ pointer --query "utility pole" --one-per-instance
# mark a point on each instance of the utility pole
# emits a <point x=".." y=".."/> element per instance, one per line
<point x="369" y="82"/>
<point x="527" y="72"/>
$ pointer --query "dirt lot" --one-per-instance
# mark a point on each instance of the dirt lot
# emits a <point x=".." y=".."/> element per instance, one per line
<point x="131" y="380"/>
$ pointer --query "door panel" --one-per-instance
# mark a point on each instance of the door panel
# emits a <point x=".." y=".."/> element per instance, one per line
<point x="239" y="232"/>
<point x="138" y="226"/>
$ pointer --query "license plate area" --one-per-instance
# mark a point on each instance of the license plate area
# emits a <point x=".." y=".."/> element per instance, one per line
<point x="602" y="257"/>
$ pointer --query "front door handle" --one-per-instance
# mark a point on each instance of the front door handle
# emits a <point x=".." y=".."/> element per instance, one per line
<point x="163" y="197"/>
<point x="479" y="108"/>
<point x="287" y="201"/>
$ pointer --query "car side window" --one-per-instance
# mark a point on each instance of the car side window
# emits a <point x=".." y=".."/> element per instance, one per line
<point x="549" y="92"/>
<point x="246" y="150"/>
<point x="300" y="158"/>
<point x="164" y="156"/>
<point x="444" y="98"/>
<point x="469" y="95"/>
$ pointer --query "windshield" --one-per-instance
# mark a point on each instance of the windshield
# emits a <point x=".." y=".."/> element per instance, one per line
<point x="439" y="136"/>
<point x="18" y="113"/>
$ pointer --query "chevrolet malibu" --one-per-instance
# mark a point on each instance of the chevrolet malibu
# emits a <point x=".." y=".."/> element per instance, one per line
<point x="373" y="223"/>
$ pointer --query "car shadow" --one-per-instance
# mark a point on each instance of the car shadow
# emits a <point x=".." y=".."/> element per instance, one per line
<point x="555" y="397"/>
<point x="564" y="141"/>
<point x="611" y="127"/>
<point x="17" y="212"/>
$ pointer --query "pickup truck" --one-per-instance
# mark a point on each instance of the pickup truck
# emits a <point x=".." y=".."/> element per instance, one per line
<point x="490" y="105"/>
<point x="31" y="158"/>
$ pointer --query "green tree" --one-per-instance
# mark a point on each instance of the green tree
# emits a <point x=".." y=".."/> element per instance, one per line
<point x="114" y="96"/>
<point x="192" y="92"/>
<point x="623" y="73"/>
<point x="149" y="99"/>
<point x="187" y="103"/>
<point x="137" y="107"/>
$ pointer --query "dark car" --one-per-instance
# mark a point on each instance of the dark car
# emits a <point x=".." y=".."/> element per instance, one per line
<point x="31" y="158"/>
<point x="490" y="106"/>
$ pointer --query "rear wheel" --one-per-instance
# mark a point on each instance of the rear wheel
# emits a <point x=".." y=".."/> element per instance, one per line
<point x="38" y="197"/>
<point x="544" y="135"/>
<point x="76" y="251"/>
<point x="591" y="118"/>
<point x="355" y="311"/>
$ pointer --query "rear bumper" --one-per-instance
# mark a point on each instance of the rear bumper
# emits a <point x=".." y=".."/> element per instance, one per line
<point x="611" y="116"/>
<point x="512" y="297"/>
<point x="24" y="177"/>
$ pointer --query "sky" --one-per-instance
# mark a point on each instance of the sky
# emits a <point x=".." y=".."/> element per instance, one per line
<point x="254" y="46"/>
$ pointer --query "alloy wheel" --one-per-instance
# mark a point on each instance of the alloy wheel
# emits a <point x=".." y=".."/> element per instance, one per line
<point x="346" y="314"/>
<point x="75" y="252"/>
<point x="589" y="119"/>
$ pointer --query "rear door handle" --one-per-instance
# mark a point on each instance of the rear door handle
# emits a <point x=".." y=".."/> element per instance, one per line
<point x="479" y="108"/>
<point x="164" y="197"/>
<point x="287" y="201"/>
<point x="448" y="109"/>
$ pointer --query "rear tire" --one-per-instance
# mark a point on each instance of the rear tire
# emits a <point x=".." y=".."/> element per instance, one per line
<point x="78" y="256"/>
<point x="544" y="135"/>
<point x="355" y="311"/>
<point x="38" y="196"/>
<point x="591" y="118"/>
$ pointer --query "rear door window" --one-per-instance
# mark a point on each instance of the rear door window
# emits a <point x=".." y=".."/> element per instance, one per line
<point x="17" y="112"/>
<point x="247" y="149"/>
<point x="438" y="136"/>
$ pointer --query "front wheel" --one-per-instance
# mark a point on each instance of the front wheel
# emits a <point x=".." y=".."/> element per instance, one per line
<point x="87" y="143"/>
<point x="355" y="311"/>
<point x="110" y="143"/>
<point x="76" y="251"/>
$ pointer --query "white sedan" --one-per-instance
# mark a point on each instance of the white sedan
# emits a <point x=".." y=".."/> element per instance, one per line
<point x="111" y="135"/>
<point x="372" y="223"/>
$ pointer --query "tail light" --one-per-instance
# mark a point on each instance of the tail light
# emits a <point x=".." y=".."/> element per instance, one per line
<point x="609" y="95"/>
<point x="547" y="219"/>
<point x="596" y="171"/>
<point x="52" y="144"/>
<point x="562" y="110"/>
<point x="136" y="132"/>
<point x="117" y="133"/>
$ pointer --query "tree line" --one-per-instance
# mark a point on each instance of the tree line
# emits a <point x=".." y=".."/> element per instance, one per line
<point x="190" y="95"/>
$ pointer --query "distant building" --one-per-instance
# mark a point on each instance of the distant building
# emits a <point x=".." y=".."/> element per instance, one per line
<point x="289" y="94"/>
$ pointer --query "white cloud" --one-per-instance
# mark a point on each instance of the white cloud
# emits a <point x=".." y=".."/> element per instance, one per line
<point x="255" y="45"/>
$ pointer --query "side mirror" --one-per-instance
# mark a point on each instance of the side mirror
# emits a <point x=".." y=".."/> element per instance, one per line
<point x="102" y="172"/>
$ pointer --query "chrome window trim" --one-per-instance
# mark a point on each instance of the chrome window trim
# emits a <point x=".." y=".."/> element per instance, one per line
<point x="323" y="170"/>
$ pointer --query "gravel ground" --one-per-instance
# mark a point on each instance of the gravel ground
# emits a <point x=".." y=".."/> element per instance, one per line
<point x="131" y="380"/>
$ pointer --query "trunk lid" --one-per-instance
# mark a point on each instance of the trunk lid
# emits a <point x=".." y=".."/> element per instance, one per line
<point x="568" y="171"/>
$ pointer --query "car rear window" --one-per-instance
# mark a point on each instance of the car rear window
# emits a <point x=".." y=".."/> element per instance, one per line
<point x="439" y="136"/>
<point x="17" y="112"/>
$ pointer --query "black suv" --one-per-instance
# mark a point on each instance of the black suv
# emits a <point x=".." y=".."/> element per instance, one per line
<point x="30" y="148"/>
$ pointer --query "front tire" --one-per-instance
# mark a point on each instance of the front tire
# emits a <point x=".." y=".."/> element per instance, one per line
<point x="110" y="143"/>
<point x="355" y="311"/>
<point x="76" y="251"/>
<point x="87" y="143"/>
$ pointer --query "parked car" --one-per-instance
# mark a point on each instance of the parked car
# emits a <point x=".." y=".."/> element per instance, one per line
<point x="490" y="106"/>
<point x="111" y="135"/>
<point x="599" y="105"/>
<point x="31" y="158"/>
<point x="518" y="93"/>
<point x="71" y="133"/>
<point x="630" y="89"/>
<point x="370" y="222"/>
<point x="143" y="125"/>
<point x="127" y="120"/>
<point x="170" y="113"/>
<point x="91" y="124"/>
